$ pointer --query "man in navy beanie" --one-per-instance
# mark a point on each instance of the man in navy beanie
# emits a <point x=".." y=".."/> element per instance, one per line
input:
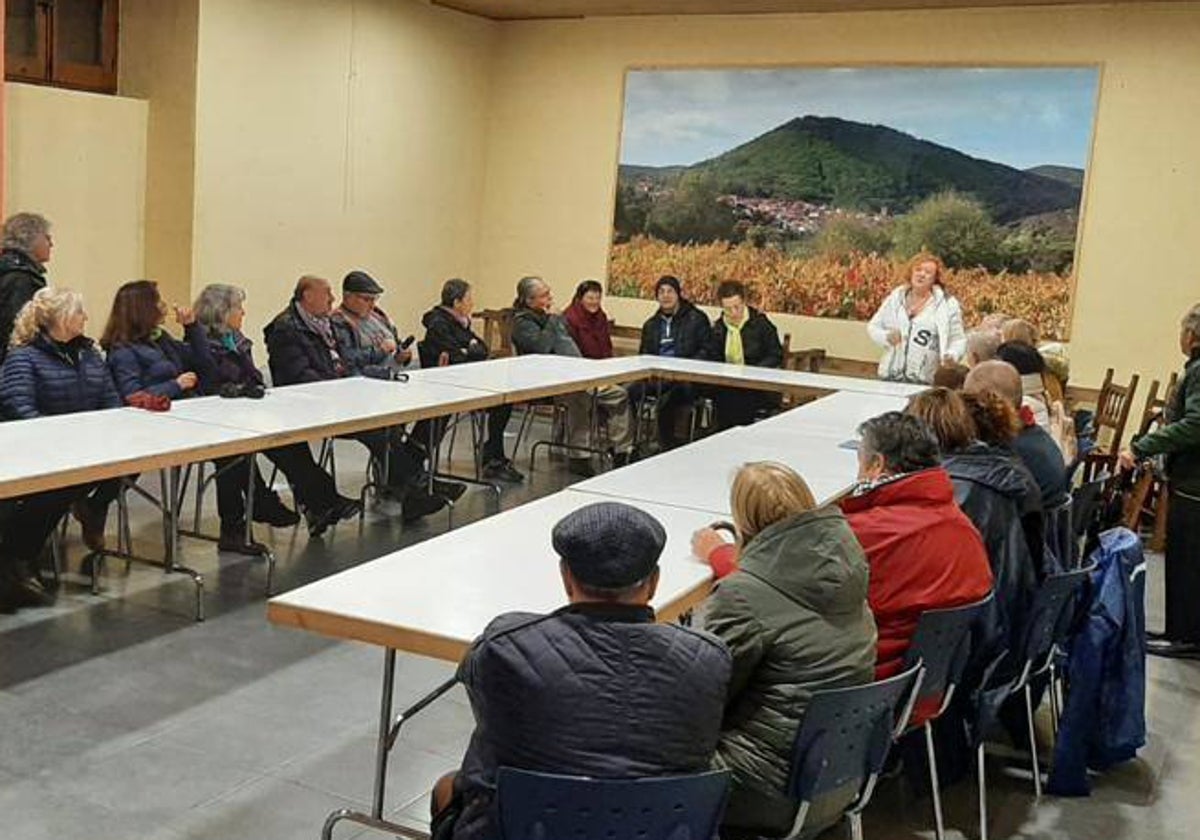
<point x="596" y="688"/>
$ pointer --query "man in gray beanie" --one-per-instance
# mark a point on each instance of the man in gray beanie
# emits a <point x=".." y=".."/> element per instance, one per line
<point x="596" y="688"/>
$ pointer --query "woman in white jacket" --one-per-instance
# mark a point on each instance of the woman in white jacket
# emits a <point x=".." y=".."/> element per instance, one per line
<point x="919" y="325"/>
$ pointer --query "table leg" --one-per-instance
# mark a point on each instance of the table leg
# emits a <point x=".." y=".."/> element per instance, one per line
<point x="388" y="734"/>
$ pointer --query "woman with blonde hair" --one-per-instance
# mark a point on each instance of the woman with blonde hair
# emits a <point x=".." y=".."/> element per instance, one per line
<point x="919" y="325"/>
<point x="51" y="368"/>
<point x="794" y="616"/>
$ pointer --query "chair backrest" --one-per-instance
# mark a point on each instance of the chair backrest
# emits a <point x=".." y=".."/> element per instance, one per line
<point x="1085" y="503"/>
<point x="1153" y="410"/>
<point x="497" y="330"/>
<point x="809" y="359"/>
<point x="846" y="734"/>
<point x="1112" y="409"/>
<point x="1050" y="616"/>
<point x="545" y="806"/>
<point x="942" y="646"/>
<point x="1060" y="537"/>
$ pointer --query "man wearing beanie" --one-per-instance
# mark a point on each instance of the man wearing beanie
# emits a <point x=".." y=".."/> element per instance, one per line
<point x="678" y="329"/>
<point x="597" y="688"/>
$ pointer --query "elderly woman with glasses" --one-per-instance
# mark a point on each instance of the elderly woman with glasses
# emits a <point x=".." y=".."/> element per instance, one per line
<point x="220" y="311"/>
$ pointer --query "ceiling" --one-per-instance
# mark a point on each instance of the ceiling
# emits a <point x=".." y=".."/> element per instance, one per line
<point x="533" y="9"/>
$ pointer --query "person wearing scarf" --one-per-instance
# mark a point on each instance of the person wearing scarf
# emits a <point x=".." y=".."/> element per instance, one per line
<point x="742" y="335"/>
<point x="588" y="322"/>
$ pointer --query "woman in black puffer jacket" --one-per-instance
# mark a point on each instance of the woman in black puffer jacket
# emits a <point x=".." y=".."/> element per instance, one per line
<point x="51" y="368"/>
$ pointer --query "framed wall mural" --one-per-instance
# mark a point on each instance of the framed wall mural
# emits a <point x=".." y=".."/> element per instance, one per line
<point x="816" y="185"/>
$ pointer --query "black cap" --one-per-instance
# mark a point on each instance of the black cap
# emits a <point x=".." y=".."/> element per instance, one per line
<point x="668" y="280"/>
<point x="609" y="545"/>
<point x="359" y="282"/>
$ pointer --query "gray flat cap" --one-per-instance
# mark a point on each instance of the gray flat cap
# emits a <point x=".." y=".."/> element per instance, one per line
<point x="609" y="545"/>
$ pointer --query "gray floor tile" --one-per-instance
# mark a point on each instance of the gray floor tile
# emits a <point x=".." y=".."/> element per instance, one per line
<point x="265" y="809"/>
<point x="156" y="780"/>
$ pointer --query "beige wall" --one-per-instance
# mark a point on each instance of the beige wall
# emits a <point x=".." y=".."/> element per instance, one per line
<point x="80" y="159"/>
<point x="338" y="135"/>
<point x="556" y="114"/>
<point x="158" y="64"/>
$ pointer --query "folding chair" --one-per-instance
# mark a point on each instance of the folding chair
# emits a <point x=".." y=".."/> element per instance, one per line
<point x="941" y="647"/>
<point x="844" y="739"/>
<point x="544" y="806"/>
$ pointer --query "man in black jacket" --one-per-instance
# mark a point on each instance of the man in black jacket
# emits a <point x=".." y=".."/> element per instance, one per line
<point x="26" y="250"/>
<point x="679" y="330"/>
<point x="742" y="335"/>
<point x="1033" y="445"/>
<point x="596" y="688"/>
<point x="301" y="348"/>
<point x="449" y="340"/>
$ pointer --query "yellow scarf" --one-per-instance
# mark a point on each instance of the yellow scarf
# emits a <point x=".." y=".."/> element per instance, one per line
<point x="734" y="354"/>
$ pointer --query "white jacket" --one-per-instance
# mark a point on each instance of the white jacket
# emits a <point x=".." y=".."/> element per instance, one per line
<point x="937" y="331"/>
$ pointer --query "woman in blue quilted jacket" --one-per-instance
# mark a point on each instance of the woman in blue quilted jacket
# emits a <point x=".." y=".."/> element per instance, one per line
<point x="51" y="368"/>
<point x="144" y="357"/>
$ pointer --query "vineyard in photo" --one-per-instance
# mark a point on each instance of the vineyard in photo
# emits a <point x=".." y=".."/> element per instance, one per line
<point x="849" y="286"/>
<point x="816" y="186"/>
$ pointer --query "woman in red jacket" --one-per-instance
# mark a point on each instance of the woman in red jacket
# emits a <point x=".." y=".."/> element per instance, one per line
<point x="588" y="322"/>
<point x="923" y="551"/>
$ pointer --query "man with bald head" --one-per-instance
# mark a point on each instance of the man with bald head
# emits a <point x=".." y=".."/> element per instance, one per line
<point x="1034" y="446"/>
<point x="301" y="347"/>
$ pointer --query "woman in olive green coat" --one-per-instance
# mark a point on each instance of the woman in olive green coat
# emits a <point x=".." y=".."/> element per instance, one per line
<point x="796" y="619"/>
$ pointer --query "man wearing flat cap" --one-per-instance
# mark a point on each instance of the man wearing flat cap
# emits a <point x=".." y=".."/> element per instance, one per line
<point x="596" y="688"/>
<point x="367" y="339"/>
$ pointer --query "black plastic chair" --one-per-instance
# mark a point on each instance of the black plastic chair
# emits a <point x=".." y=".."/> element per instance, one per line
<point x="1049" y="624"/>
<point x="544" y="806"/>
<point x="941" y="648"/>
<point x="1061" y="550"/>
<point x="1086" y="502"/>
<point x="844" y="738"/>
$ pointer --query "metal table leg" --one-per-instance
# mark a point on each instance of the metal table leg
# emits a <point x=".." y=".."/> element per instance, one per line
<point x="389" y="733"/>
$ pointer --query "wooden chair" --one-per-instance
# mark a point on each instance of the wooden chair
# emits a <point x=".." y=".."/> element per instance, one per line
<point x="497" y="331"/>
<point x="1112" y="413"/>
<point x="1147" y="501"/>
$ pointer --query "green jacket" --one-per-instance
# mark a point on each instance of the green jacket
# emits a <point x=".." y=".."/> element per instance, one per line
<point x="540" y="332"/>
<point x="1179" y="438"/>
<point x="795" y="618"/>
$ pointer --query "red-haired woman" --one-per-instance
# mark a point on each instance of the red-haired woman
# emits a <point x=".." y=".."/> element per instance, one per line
<point x="919" y="325"/>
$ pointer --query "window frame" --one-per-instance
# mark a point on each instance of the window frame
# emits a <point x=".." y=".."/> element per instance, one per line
<point x="97" y="78"/>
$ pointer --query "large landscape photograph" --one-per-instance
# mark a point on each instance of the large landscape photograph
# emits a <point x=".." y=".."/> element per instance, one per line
<point x="817" y="185"/>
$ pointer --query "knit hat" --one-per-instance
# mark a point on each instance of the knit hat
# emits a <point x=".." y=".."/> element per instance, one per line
<point x="609" y="545"/>
<point x="668" y="280"/>
<point x="359" y="282"/>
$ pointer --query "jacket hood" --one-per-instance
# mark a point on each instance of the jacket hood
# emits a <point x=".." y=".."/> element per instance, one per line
<point x="814" y="559"/>
<point x="13" y="260"/>
<point x="927" y="487"/>
<point x="986" y="465"/>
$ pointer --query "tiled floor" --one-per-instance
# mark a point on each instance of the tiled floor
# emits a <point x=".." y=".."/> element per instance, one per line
<point x="120" y="717"/>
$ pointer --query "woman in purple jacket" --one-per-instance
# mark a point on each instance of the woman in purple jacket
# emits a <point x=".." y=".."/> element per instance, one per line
<point x="219" y="313"/>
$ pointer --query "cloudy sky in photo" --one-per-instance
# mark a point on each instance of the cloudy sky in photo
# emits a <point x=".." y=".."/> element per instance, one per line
<point x="1023" y="117"/>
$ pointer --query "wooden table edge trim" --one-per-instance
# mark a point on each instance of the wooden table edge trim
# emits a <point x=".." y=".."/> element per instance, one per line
<point x="345" y="628"/>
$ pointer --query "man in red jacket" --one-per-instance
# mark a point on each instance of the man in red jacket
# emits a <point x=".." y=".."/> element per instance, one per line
<point x="923" y="552"/>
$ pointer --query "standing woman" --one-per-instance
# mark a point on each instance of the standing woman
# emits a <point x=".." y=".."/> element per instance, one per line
<point x="26" y="248"/>
<point x="220" y="311"/>
<point x="588" y="322"/>
<point x="1179" y="441"/>
<point x="919" y="325"/>
<point x="51" y="368"/>
<point x="143" y="357"/>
